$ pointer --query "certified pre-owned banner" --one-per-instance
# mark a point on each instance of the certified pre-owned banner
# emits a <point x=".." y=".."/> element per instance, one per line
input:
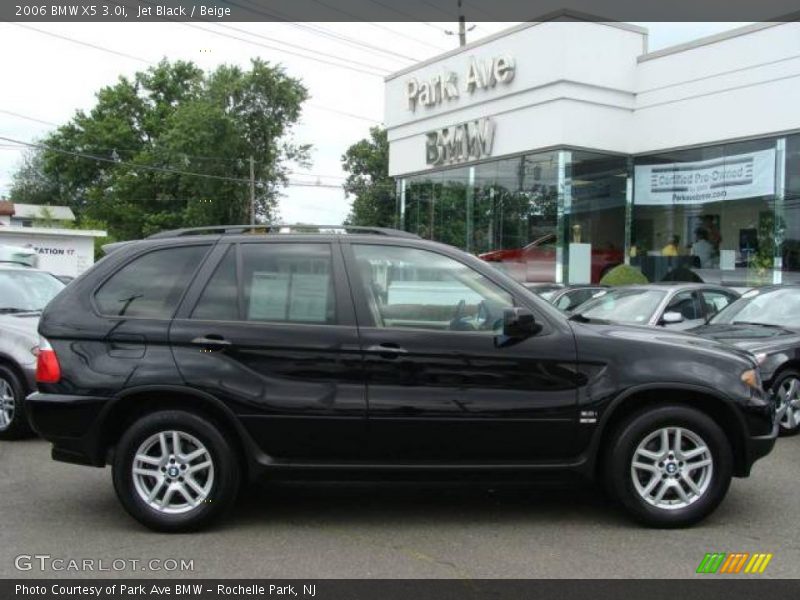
<point x="716" y="180"/>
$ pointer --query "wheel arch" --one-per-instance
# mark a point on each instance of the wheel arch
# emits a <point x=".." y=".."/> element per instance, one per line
<point x="792" y="364"/>
<point x="13" y="365"/>
<point x="134" y="403"/>
<point x="637" y="399"/>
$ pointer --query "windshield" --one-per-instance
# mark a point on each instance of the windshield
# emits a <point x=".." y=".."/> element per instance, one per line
<point x="623" y="306"/>
<point x="22" y="290"/>
<point x="778" y="307"/>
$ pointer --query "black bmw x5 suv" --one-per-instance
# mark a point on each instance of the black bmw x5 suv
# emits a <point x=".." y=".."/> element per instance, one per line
<point x="195" y="360"/>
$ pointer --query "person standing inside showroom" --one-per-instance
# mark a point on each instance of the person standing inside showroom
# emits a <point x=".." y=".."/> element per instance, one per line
<point x="702" y="248"/>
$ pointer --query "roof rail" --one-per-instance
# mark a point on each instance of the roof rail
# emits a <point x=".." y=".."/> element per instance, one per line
<point x="266" y="229"/>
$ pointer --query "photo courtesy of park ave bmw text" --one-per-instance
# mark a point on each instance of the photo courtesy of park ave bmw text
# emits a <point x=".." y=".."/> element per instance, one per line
<point x="364" y="299"/>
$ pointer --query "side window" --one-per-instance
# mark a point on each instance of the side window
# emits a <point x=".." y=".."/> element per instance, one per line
<point x="220" y="298"/>
<point x="715" y="301"/>
<point x="686" y="304"/>
<point x="407" y="287"/>
<point x="152" y="285"/>
<point x="288" y="282"/>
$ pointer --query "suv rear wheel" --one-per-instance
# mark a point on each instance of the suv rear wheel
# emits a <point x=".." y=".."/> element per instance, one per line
<point x="175" y="471"/>
<point x="669" y="466"/>
<point x="13" y="421"/>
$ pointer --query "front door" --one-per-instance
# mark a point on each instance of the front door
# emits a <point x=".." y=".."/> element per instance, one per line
<point x="439" y="386"/>
<point x="273" y="335"/>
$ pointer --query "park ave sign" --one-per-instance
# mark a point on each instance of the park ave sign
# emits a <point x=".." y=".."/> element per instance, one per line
<point x="459" y="143"/>
<point x="480" y="75"/>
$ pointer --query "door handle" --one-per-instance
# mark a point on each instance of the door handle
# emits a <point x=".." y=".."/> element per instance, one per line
<point x="212" y="341"/>
<point x="387" y="350"/>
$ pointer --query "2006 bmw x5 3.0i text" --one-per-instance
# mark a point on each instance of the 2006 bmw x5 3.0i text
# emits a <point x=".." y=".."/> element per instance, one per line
<point x="195" y="360"/>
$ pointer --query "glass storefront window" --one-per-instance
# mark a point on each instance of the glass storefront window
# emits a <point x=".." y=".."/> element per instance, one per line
<point x="791" y="212"/>
<point x="504" y="211"/>
<point x="594" y="214"/>
<point x="727" y="213"/>
<point x="707" y="214"/>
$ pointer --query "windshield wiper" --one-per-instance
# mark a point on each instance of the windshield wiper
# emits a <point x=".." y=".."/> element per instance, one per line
<point x="11" y="309"/>
<point x="757" y="323"/>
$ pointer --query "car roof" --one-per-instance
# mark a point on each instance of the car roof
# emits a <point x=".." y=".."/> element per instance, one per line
<point x="670" y="286"/>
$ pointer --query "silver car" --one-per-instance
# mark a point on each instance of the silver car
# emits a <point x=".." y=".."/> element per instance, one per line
<point x="671" y="305"/>
<point x="24" y="292"/>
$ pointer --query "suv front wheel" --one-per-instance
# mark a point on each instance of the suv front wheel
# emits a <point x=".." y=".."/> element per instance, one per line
<point x="669" y="466"/>
<point x="175" y="471"/>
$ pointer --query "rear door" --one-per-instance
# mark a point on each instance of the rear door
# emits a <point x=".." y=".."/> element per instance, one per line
<point x="440" y="386"/>
<point x="270" y="329"/>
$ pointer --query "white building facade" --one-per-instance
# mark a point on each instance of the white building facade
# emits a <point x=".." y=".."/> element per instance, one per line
<point x="59" y="250"/>
<point x="567" y="146"/>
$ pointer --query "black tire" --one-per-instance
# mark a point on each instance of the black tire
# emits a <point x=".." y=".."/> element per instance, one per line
<point x="225" y="467"/>
<point x="18" y="426"/>
<point x="781" y="380"/>
<point x="635" y="430"/>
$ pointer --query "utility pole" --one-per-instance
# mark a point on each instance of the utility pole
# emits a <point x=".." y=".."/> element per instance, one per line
<point x="252" y="191"/>
<point x="462" y="26"/>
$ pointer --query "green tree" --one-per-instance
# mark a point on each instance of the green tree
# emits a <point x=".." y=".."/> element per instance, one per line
<point x="368" y="181"/>
<point x="155" y="132"/>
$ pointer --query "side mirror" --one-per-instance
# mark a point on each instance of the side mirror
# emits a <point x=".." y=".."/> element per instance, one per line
<point x="670" y="318"/>
<point x="518" y="323"/>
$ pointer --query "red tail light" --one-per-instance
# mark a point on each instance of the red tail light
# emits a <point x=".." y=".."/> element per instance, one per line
<point x="47" y="368"/>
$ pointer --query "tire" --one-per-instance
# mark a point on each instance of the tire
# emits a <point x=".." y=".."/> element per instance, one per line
<point x="13" y="418"/>
<point x="215" y="485"/>
<point x="787" y="394"/>
<point x="642" y="436"/>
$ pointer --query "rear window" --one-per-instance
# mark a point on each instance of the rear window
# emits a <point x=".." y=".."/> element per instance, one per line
<point x="152" y="285"/>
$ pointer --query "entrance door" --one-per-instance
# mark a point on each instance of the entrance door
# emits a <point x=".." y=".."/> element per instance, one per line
<point x="439" y="386"/>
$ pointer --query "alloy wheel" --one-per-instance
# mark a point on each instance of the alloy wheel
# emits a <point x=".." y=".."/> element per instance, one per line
<point x="173" y="472"/>
<point x="672" y="468"/>
<point x="788" y="405"/>
<point x="7" y="404"/>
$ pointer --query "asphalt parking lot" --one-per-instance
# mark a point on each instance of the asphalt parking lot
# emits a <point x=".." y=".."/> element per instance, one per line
<point x="366" y="531"/>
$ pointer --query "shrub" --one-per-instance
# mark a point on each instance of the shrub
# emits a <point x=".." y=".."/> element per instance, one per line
<point x="623" y="275"/>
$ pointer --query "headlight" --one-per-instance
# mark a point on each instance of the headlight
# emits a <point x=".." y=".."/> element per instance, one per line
<point x="751" y="379"/>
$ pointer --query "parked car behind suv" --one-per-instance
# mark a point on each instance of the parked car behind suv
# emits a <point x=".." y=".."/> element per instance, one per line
<point x="24" y="292"/>
<point x="194" y="360"/>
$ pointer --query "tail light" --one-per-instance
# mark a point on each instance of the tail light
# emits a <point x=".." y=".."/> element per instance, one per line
<point x="47" y="368"/>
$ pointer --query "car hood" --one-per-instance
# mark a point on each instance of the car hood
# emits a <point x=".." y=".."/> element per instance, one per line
<point x="665" y="337"/>
<point x="23" y="324"/>
<point x="754" y="338"/>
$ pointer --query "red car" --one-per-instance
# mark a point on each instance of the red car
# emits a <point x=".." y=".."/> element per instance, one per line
<point x="537" y="260"/>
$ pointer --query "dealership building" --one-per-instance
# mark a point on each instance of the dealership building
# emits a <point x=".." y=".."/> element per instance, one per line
<point x="571" y="146"/>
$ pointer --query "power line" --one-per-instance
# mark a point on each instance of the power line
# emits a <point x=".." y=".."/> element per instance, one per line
<point x="149" y="62"/>
<point x="273" y="14"/>
<point x="377" y="25"/>
<point x="82" y="43"/>
<point x="162" y="169"/>
<point x="258" y="35"/>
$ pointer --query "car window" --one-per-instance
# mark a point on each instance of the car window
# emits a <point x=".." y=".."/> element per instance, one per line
<point x="409" y="287"/>
<point x="687" y="304"/>
<point x="575" y="298"/>
<point x="151" y="285"/>
<point x="623" y="306"/>
<point x="220" y="298"/>
<point x="288" y="282"/>
<point x="777" y="307"/>
<point x="715" y="301"/>
<point x="22" y="290"/>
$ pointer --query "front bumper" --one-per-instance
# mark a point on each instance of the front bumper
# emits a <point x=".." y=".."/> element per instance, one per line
<point x="758" y="447"/>
<point x="71" y="424"/>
